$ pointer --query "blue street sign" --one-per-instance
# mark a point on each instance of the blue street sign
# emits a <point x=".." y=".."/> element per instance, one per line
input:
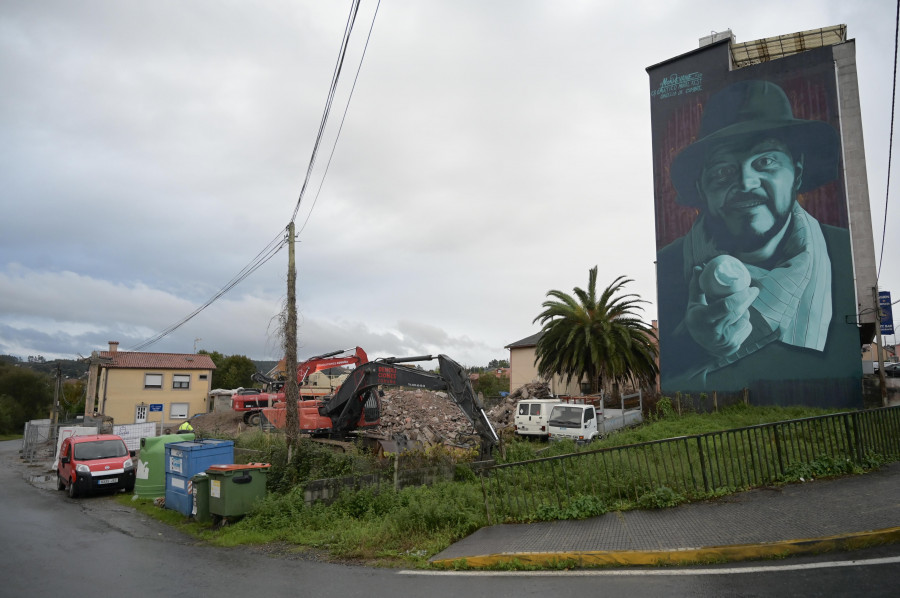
<point x="887" y="319"/>
<point x="156" y="406"/>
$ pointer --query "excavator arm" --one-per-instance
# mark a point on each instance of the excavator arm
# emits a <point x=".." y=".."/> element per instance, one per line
<point x="359" y="391"/>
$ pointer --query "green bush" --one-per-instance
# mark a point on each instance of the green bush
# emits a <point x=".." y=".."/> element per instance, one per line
<point x="661" y="498"/>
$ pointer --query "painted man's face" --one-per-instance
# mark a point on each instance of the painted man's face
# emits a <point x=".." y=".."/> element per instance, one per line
<point x="749" y="186"/>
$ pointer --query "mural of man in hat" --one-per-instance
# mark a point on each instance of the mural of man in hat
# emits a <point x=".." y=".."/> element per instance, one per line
<point x="753" y="276"/>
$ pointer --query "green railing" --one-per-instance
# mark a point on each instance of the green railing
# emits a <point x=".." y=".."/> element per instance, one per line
<point x="693" y="466"/>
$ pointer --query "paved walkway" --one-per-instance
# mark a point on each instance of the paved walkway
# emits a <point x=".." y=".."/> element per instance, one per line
<point x="818" y="516"/>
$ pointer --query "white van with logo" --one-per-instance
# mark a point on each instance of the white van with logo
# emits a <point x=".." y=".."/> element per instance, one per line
<point x="532" y="416"/>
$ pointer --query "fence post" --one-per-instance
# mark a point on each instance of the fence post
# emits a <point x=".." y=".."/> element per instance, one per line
<point x="487" y="502"/>
<point x="852" y="436"/>
<point x="702" y="465"/>
<point x="397" y="471"/>
<point x="775" y="430"/>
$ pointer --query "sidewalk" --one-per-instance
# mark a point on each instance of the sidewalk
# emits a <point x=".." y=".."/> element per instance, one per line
<point x="819" y="516"/>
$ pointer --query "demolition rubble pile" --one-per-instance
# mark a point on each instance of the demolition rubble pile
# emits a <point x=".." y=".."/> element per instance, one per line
<point x="503" y="415"/>
<point x="422" y="416"/>
<point x="419" y="415"/>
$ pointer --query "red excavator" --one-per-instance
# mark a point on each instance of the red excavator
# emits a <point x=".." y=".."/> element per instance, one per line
<point x="251" y="404"/>
<point x="356" y="403"/>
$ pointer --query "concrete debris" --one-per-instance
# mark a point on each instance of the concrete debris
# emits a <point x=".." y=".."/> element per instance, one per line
<point x="503" y="415"/>
<point x="420" y="415"/>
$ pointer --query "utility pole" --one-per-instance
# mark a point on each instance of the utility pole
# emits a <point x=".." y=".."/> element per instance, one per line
<point x="54" y="415"/>
<point x="291" y="390"/>
<point x="882" y="381"/>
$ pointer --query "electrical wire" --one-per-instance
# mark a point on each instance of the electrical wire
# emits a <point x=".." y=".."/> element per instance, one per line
<point x="274" y="246"/>
<point x="343" y="117"/>
<point x="281" y="240"/>
<point x="890" y="144"/>
<point x="348" y="29"/>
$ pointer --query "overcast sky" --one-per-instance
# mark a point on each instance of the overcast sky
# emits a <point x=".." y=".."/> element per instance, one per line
<point x="492" y="151"/>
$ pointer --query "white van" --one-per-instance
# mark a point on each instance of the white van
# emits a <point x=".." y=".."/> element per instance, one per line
<point x="532" y="416"/>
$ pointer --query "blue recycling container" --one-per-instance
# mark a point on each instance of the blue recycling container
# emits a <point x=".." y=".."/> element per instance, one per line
<point x="184" y="460"/>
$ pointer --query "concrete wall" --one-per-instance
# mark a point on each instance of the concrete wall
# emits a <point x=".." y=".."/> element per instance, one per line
<point x="857" y="181"/>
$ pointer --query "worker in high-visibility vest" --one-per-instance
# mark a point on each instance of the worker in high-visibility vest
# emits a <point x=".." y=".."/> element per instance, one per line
<point x="186" y="427"/>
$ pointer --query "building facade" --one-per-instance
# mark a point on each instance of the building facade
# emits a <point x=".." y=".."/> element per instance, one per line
<point x="163" y="388"/>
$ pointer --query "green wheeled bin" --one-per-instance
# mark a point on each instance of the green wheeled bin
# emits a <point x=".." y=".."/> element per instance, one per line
<point x="234" y="488"/>
<point x="200" y="493"/>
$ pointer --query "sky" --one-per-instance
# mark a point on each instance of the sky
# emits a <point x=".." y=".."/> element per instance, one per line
<point x="490" y="151"/>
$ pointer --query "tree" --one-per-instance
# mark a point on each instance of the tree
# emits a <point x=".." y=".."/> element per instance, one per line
<point x="589" y="337"/>
<point x="24" y="395"/>
<point x="498" y="363"/>
<point x="490" y="385"/>
<point x="236" y="371"/>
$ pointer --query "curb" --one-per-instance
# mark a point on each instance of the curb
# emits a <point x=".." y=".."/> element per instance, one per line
<point x="680" y="556"/>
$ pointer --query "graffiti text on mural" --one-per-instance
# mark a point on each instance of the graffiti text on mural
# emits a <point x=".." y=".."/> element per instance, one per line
<point x="676" y="85"/>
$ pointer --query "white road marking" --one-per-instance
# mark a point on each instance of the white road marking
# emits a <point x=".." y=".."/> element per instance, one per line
<point x="669" y="572"/>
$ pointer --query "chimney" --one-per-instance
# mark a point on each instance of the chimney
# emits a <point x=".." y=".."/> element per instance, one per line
<point x="113" y="346"/>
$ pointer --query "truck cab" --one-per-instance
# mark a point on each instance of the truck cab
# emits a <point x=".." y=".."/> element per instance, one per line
<point x="98" y="463"/>
<point x="577" y="422"/>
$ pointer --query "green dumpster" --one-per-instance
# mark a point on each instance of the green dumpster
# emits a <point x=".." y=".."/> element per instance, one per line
<point x="151" y="464"/>
<point x="234" y="488"/>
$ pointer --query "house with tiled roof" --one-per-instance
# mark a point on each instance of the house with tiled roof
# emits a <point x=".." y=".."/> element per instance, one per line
<point x="134" y="387"/>
<point x="523" y="369"/>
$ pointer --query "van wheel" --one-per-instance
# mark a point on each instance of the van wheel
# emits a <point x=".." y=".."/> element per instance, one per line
<point x="72" y="492"/>
<point x="60" y="484"/>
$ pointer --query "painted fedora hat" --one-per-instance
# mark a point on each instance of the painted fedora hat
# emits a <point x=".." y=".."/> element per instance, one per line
<point x="757" y="108"/>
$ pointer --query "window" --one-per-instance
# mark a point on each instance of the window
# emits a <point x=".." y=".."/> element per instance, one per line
<point x="181" y="381"/>
<point x="203" y="376"/>
<point x="179" y="410"/>
<point x="153" y="381"/>
<point x="536" y="409"/>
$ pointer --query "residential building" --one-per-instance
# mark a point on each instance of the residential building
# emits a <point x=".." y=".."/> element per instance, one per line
<point x="132" y="387"/>
<point x="523" y="369"/>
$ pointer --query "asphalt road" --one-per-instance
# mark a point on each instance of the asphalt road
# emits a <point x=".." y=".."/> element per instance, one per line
<point x="51" y="545"/>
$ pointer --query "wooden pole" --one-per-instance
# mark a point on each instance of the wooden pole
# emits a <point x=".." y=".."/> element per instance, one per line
<point x="291" y="390"/>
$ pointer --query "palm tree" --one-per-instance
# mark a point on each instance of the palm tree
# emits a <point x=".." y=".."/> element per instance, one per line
<point x="589" y="337"/>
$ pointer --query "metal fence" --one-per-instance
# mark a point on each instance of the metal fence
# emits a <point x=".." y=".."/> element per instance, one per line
<point x="40" y="436"/>
<point x="693" y="466"/>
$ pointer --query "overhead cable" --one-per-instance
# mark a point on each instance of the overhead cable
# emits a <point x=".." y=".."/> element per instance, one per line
<point x="343" y="117"/>
<point x="261" y="258"/>
<point x="890" y="143"/>
<point x="348" y="29"/>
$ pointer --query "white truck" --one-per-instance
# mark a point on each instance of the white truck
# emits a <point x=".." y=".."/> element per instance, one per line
<point x="584" y="422"/>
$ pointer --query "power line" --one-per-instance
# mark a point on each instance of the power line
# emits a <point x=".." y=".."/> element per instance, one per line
<point x="261" y="258"/>
<point x="343" y="117"/>
<point x="279" y="241"/>
<point x="890" y="143"/>
<point x="348" y="29"/>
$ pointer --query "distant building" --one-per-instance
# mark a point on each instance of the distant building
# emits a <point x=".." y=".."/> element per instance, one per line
<point x="523" y="369"/>
<point x="133" y="387"/>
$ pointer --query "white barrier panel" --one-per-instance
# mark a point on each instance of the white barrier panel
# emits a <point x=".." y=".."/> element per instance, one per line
<point x="65" y="432"/>
<point x="132" y="434"/>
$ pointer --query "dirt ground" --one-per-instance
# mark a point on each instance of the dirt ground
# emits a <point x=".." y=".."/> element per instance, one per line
<point x="421" y="415"/>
